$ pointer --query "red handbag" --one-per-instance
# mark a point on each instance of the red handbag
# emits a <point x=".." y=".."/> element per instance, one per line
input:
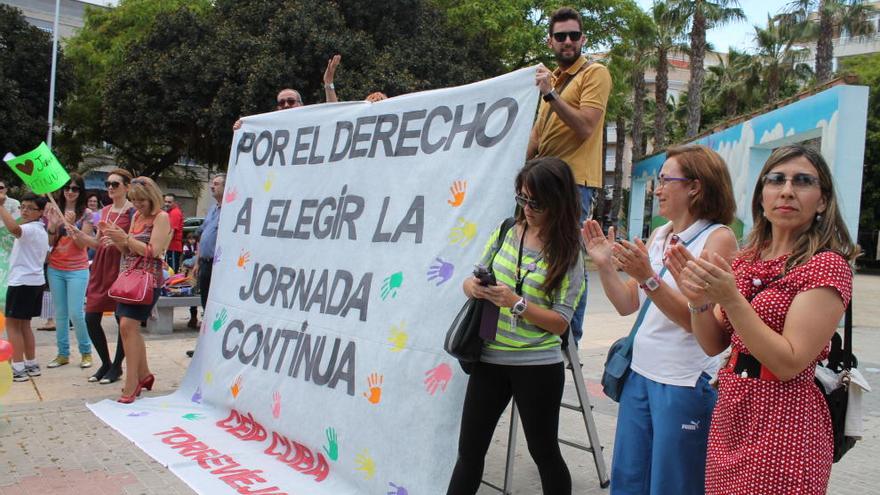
<point x="134" y="285"/>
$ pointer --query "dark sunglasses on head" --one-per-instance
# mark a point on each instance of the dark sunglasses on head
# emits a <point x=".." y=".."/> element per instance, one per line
<point x="139" y="182"/>
<point x="71" y="188"/>
<point x="523" y="201"/>
<point x="798" y="181"/>
<point x="572" y="35"/>
<point x="112" y="184"/>
<point x="289" y="101"/>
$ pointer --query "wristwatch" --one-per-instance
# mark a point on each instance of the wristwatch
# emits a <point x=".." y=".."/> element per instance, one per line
<point x="552" y="95"/>
<point x="519" y="307"/>
<point x="651" y="284"/>
<point x="329" y="86"/>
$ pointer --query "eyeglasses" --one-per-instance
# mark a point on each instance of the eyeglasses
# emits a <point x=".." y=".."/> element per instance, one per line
<point x="662" y="180"/>
<point x="291" y="102"/>
<point x="777" y="180"/>
<point x="523" y="201"/>
<point x="71" y="188"/>
<point x="112" y="184"/>
<point x="572" y="35"/>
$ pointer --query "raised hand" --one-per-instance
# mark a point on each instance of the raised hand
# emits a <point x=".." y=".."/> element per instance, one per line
<point x="438" y="378"/>
<point x="330" y="71"/>
<point x="714" y="276"/>
<point x="632" y="258"/>
<point x="440" y="271"/>
<point x="332" y="448"/>
<point x="677" y="258"/>
<point x="457" y="191"/>
<point x="599" y="247"/>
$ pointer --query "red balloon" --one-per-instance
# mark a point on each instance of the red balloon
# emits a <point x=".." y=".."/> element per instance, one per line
<point x="5" y="350"/>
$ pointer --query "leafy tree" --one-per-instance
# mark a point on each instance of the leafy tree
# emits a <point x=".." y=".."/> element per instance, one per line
<point x="777" y="55"/>
<point x="850" y="16"/>
<point x="733" y="84"/>
<point x="702" y="16"/>
<point x="25" y="62"/>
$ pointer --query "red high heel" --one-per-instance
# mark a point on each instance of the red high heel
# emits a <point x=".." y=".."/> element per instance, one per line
<point x="128" y="399"/>
<point x="147" y="382"/>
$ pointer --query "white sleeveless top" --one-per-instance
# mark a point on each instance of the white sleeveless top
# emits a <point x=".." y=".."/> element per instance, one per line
<point x="663" y="351"/>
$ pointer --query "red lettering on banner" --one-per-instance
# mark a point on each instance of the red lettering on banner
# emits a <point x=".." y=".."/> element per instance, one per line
<point x="263" y="491"/>
<point x="321" y="470"/>
<point x="248" y="429"/>
<point x="186" y="449"/>
<point x="302" y="460"/>
<point x="176" y="429"/>
<point x="246" y="478"/>
<point x="233" y="416"/>
<point x="276" y="441"/>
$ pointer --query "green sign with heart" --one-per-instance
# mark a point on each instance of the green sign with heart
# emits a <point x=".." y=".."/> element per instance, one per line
<point x="39" y="169"/>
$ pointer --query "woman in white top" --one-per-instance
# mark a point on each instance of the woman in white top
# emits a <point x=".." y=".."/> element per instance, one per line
<point x="666" y="402"/>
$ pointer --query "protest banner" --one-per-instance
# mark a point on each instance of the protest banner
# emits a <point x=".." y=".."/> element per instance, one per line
<point x="345" y="234"/>
<point x="39" y="169"/>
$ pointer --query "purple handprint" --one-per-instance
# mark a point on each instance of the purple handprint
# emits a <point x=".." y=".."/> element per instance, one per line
<point x="440" y="271"/>
<point x="438" y="378"/>
<point x="197" y="395"/>
<point x="138" y="414"/>
<point x="217" y="253"/>
<point x="396" y="490"/>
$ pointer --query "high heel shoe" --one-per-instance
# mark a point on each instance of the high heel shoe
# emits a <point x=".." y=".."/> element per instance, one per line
<point x="147" y="382"/>
<point x="128" y="399"/>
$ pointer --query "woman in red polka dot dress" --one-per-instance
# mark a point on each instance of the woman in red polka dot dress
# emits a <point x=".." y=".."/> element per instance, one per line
<point x="777" y="307"/>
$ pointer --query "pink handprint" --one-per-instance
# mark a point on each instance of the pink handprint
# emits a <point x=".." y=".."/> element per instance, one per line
<point x="231" y="195"/>
<point x="438" y="378"/>
<point x="276" y="405"/>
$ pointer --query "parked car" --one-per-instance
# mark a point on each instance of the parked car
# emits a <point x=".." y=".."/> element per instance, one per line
<point x="192" y="224"/>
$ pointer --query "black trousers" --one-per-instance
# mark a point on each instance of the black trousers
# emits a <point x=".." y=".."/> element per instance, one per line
<point x="537" y="391"/>
<point x="205" y="268"/>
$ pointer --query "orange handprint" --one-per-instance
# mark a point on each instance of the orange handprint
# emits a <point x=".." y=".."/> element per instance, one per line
<point x="243" y="258"/>
<point x="236" y="387"/>
<point x="458" y="191"/>
<point x="374" y="381"/>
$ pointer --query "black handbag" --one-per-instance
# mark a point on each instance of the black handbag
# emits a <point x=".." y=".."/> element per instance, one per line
<point x="840" y="360"/>
<point x="463" y="341"/>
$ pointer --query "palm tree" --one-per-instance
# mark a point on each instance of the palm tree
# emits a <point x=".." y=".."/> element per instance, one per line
<point x="777" y="55"/>
<point x="641" y="34"/>
<point x="668" y="35"/>
<point x="843" y="15"/>
<point x="703" y="15"/>
<point x="731" y="83"/>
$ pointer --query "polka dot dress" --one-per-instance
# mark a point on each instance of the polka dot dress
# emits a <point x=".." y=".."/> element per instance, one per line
<point x="770" y="437"/>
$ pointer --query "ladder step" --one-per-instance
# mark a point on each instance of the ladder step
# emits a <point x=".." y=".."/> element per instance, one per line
<point x="573" y="407"/>
<point x="575" y="445"/>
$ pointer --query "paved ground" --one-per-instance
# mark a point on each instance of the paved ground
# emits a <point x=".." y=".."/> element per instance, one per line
<point x="51" y="444"/>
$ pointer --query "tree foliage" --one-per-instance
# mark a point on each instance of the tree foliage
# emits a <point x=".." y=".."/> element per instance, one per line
<point x="25" y="61"/>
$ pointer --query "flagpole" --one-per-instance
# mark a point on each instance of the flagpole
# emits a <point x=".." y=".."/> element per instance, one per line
<point x="52" y="74"/>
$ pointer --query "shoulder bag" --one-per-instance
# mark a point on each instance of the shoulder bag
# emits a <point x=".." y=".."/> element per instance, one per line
<point x="135" y="284"/>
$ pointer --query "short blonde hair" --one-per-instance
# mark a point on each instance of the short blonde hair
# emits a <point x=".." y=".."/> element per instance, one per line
<point x="144" y="188"/>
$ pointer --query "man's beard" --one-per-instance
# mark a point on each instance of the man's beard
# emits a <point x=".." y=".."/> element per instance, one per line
<point x="566" y="60"/>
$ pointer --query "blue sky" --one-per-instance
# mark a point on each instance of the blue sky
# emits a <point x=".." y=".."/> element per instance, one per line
<point x="739" y="35"/>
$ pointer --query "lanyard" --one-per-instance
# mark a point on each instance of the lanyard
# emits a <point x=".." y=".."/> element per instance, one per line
<point x="531" y="266"/>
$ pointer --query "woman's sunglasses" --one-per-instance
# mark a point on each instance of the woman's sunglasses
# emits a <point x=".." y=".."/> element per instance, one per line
<point x="523" y="201"/>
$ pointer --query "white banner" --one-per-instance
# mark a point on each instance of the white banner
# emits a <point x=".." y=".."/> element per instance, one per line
<point x="345" y="234"/>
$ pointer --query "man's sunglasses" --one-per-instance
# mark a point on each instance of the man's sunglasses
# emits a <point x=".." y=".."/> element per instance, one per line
<point x="112" y="184"/>
<point x="572" y="35"/>
<point x="290" y="101"/>
<point x="523" y="201"/>
<point x="777" y="180"/>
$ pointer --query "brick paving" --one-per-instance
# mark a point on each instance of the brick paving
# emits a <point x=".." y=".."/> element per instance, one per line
<point x="51" y="444"/>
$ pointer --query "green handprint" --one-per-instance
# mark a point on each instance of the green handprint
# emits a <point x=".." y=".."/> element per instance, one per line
<point x="391" y="284"/>
<point x="193" y="416"/>
<point x="220" y="320"/>
<point x="333" y="451"/>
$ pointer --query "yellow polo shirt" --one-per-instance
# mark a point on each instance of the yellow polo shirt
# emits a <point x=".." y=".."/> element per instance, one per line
<point x="589" y="88"/>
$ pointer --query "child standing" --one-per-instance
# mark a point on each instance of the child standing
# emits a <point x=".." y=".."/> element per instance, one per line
<point x="25" y="284"/>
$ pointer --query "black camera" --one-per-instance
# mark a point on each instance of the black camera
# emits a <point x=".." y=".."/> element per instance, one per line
<point x="486" y="277"/>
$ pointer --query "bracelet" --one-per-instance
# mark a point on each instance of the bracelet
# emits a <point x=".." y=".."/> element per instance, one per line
<point x="698" y="309"/>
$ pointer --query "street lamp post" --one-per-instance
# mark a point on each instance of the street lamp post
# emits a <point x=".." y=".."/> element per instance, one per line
<point x="52" y="74"/>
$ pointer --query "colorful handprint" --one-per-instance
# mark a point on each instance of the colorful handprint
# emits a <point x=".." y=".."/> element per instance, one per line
<point x="390" y="285"/>
<point x="231" y="195"/>
<point x="374" y="382"/>
<point x="332" y="449"/>
<point x="197" y="395"/>
<point x="457" y="191"/>
<point x="276" y="405"/>
<point x="243" y="258"/>
<point x="398" y="337"/>
<point x="270" y="178"/>
<point x="138" y="414"/>
<point x="193" y="416"/>
<point x="236" y="387"/>
<point x="396" y="489"/>
<point x="366" y="464"/>
<point x="219" y="320"/>
<point x="209" y="377"/>
<point x="441" y="271"/>
<point x="438" y="378"/>
<point x="464" y="233"/>
<point x="217" y="253"/>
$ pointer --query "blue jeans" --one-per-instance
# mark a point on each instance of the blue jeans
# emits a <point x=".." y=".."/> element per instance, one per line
<point x="588" y="195"/>
<point x="662" y="437"/>
<point x="69" y="294"/>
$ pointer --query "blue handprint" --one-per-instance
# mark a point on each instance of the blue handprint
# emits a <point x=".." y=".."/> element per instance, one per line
<point x="396" y="490"/>
<point x="440" y="271"/>
<point x="197" y="396"/>
<point x="391" y="284"/>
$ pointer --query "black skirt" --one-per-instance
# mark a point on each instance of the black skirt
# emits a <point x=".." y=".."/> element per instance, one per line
<point x="139" y="312"/>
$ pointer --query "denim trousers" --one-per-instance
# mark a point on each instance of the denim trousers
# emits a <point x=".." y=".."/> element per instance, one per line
<point x="69" y="294"/>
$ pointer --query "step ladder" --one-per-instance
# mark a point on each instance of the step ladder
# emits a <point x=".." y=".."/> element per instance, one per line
<point x="586" y="410"/>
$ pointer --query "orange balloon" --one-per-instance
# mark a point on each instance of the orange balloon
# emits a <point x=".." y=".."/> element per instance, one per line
<point x="2" y="322"/>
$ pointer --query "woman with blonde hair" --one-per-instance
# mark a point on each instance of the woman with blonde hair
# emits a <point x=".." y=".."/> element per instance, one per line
<point x="666" y="401"/>
<point x="777" y="306"/>
<point x="145" y="243"/>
